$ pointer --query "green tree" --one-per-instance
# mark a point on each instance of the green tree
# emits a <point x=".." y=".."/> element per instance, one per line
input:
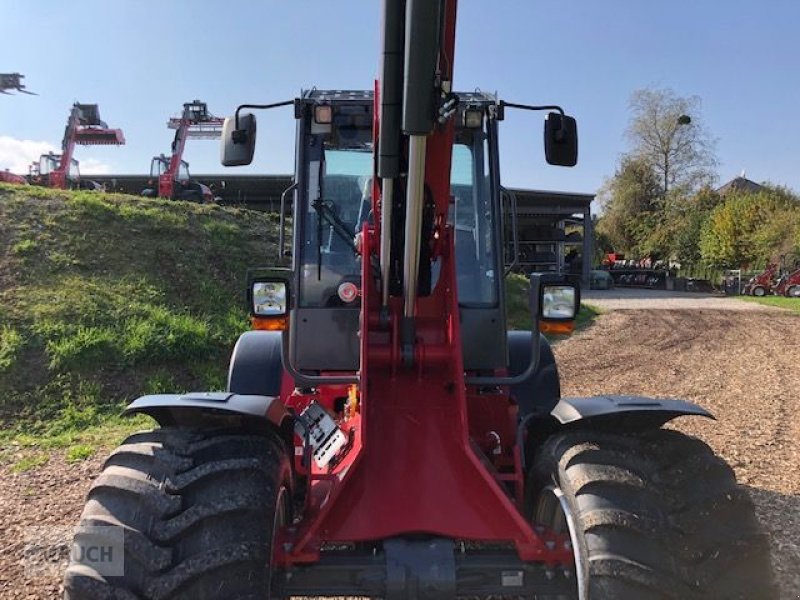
<point x="628" y="198"/>
<point x="685" y="219"/>
<point x="752" y="228"/>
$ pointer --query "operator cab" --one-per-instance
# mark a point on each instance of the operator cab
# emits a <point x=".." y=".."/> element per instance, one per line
<point x="334" y="201"/>
<point x="48" y="163"/>
<point x="160" y="164"/>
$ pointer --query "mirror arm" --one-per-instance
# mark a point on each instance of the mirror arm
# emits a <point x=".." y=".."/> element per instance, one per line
<point x="554" y="107"/>
<point x="532" y="107"/>
<point x="241" y="138"/>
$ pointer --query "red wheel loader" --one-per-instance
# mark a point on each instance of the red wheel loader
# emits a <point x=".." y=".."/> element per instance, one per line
<point x="382" y="433"/>
<point x="762" y="284"/>
<point x="788" y="285"/>
<point x="84" y="128"/>
<point x="169" y="176"/>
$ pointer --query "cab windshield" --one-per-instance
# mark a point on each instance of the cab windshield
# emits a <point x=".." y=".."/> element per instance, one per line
<point x="339" y="197"/>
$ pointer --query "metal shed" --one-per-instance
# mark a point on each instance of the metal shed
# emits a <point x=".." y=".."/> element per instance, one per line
<point x="553" y="232"/>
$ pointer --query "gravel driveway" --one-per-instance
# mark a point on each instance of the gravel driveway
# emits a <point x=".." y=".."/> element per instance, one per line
<point x="642" y="299"/>
<point x="738" y="360"/>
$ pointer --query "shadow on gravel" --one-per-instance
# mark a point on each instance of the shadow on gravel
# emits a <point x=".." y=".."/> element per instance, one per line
<point x="780" y="515"/>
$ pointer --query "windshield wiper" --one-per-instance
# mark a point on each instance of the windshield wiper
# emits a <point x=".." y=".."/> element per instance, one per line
<point x="325" y="211"/>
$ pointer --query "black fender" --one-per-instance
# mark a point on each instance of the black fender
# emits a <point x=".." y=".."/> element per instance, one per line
<point x="200" y="407"/>
<point x="540" y="393"/>
<point x="624" y="412"/>
<point x="603" y="413"/>
<point x="256" y="366"/>
<point x="253" y="392"/>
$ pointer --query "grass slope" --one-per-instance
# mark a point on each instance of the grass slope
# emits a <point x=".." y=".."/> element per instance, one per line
<point x="105" y="296"/>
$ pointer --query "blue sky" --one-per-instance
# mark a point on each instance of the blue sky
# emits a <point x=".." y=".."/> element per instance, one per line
<point x="140" y="60"/>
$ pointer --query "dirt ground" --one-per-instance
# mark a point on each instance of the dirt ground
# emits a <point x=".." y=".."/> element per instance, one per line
<point x="740" y="363"/>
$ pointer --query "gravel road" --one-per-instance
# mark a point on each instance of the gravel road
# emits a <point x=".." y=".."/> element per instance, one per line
<point x="643" y="299"/>
<point x="738" y="360"/>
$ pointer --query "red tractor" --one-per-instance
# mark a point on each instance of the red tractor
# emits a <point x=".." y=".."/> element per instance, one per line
<point x="763" y="283"/>
<point x="84" y="128"/>
<point x="382" y="434"/>
<point x="182" y="186"/>
<point x="169" y="176"/>
<point x="788" y="285"/>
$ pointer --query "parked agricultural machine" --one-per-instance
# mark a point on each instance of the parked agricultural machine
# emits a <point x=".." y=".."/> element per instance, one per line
<point x="84" y="128"/>
<point x="762" y="284"/>
<point x="382" y="433"/>
<point x="788" y="284"/>
<point x="777" y="280"/>
<point x="169" y="176"/>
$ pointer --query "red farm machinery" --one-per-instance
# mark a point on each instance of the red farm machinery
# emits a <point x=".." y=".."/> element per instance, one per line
<point x="788" y="284"/>
<point x="382" y="434"/>
<point x="762" y="283"/>
<point x="169" y="175"/>
<point x="84" y="128"/>
<point x="777" y="280"/>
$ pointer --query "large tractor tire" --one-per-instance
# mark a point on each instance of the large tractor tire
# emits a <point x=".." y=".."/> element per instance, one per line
<point x="199" y="509"/>
<point x="653" y="515"/>
<point x="793" y="291"/>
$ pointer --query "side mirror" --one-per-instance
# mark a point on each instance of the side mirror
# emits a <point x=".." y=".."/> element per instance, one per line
<point x="238" y="145"/>
<point x="561" y="140"/>
<point x="554" y="302"/>
<point x="269" y="298"/>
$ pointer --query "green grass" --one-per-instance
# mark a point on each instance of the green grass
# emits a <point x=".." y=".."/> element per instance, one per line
<point x="518" y="311"/>
<point x="106" y="297"/>
<point x="10" y="345"/>
<point x="78" y="453"/>
<point x="30" y="462"/>
<point x="792" y="304"/>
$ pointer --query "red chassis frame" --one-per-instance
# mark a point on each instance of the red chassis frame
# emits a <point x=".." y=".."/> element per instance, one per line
<point x="412" y="468"/>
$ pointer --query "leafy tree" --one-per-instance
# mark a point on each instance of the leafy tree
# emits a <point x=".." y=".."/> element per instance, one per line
<point x="628" y="197"/>
<point x="752" y="228"/>
<point x="648" y="203"/>
<point x="685" y="219"/>
<point x="667" y="133"/>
